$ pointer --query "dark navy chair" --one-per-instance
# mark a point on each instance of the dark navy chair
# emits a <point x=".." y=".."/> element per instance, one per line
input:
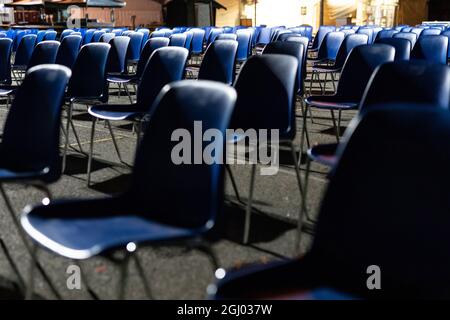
<point x="244" y="39"/>
<point x="227" y="36"/>
<point x="68" y="50"/>
<point x="431" y="32"/>
<point x="30" y="145"/>
<point x="417" y="31"/>
<point x="65" y="33"/>
<point x="412" y="37"/>
<point x="447" y="34"/>
<point x="147" y="51"/>
<point x="97" y="35"/>
<point x="348" y="239"/>
<point x="197" y="41"/>
<point x="88" y="36"/>
<point x="146" y="35"/>
<point x="107" y="37"/>
<point x="188" y="43"/>
<point x="177" y="40"/>
<point x="40" y="36"/>
<point x="23" y="54"/>
<point x="350" y="41"/>
<point x="329" y="48"/>
<point x="219" y="62"/>
<point x="431" y="48"/>
<point x="88" y="84"/>
<point x="267" y="88"/>
<point x="320" y="36"/>
<point x="135" y="47"/>
<point x="81" y="229"/>
<point x="50" y="36"/>
<point x="264" y="36"/>
<point x="166" y="65"/>
<point x="117" y="60"/>
<point x="402" y="47"/>
<point x="5" y="61"/>
<point x="387" y="33"/>
<point x="44" y="53"/>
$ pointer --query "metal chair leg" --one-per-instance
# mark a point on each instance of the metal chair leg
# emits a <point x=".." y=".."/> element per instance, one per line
<point x="116" y="146"/>
<point x="123" y="276"/>
<point x="248" y="211"/>
<point x="128" y="92"/>
<point x="30" y="288"/>
<point x="338" y="138"/>
<point x="66" y="145"/>
<point x="91" y="152"/>
<point x="140" y="269"/>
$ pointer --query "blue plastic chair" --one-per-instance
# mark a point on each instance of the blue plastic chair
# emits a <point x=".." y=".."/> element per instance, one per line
<point x="157" y="34"/>
<point x="431" y="48"/>
<point x="166" y="65"/>
<point x="213" y="35"/>
<point x="320" y="36"/>
<point x="6" y="45"/>
<point x="87" y="85"/>
<point x="417" y="31"/>
<point x="188" y="43"/>
<point x="244" y="39"/>
<point x="44" y="53"/>
<point x="18" y="39"/>
<point x="227" y="36"/>
<point x="50" y="35"/>
<point x="367" y="31"/>
<point x="24" y="52"/>
<point x="447" y="34"/>
<point x="159" y="218"/>
<point x="264" y="36"/>
<point x="177" y="40"/>
<point x="387" y="33"/>
<point x="266" y="88"/>
<point x="197" y="41"/>
<point x="402" y="47"/>
<point x="40" y="36"/>
<point x="135" y="47"/>
<point x="412" y="37"/>
<point x="219" y="62"/>
<point x="146" y="33"/>
<point x="87" y="38"/>
<point x="431" y="32"/>
<point x="356" y="73"/>
<point x="97" y="35"/>
<point x="65" y="33"/>
<point x="329" y="47"/>
<point x="68" y="50"/>
<point x="388" y="178"/>
<point x="107" y="37"/>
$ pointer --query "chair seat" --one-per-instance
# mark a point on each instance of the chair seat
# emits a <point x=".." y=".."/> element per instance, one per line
<point x="82" y="229"/>
<point x="324" y="154"/>
<point x="325" y="69"/>
<point x="12" y="175"/>
<point x="117" y="112"/>
<point x="330" y="102"/>
<point x="7" y="90"/>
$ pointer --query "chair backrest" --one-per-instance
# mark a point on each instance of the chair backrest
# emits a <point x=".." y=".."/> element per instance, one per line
<point x="107" y="37"/>
<point x="17" y="38"/>
<point x="166" y="65"/>
<point x="31" y="135"/>
<point x="406" y="29"/>
<point x="416" y="82"/>
<point x="65" y="33"/>
<point x="402" y="47"/>
<point x="44" y="53"/>
<point x="68" y="50"/>
<point x="280" y="32"/>
<point x="347" y="31"/>
<point x="398" y="181"/>
<point x="25" y="50"/>
<point x="219" y="62"/>
<point x="155" y="174"/>
<point x="188" y="43"/>
<point x="135" y="47"/>
<point x="330" y="45"/>
<point x="447" y="34"/>
<point x="358" y="69"/>
<point x="286" y="36"/>
<point x="264" y="36"/>
<point x="368" y="32"/>
<point x="197" y="40"/>
<point x="117" y="60"/>
<point x="412" y="37"/>
<point x="244" y="39"/>
<point x="431" y="48"/>
<point x="351" y="41"/>
<point x="291" y="48"/>
<point x="266" y="88"/>
<point x="147" y="51"/>
<point x="40" y="36"/>
<point x="146" y="35"/>
<point x="177" y="40"/>
<point x="97" y="35"/>
<point x="387" y="33"/>
<point x="320" y="36"/>
<point x="227" y="36"/>
<point x="157" y="34"/>
<point x="417" y="31"/>
<point x="214" y="34"/>
<point x="5" y="60"/>
<point x="89" y="73"/>
<point x="305" y="42"/>
<point x="88" y="36"/>
<point x="431" y="32"/>
<point x="50" y="36"/>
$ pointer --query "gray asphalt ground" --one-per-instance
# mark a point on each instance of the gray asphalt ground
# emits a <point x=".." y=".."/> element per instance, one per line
<point x="172" y="273"/>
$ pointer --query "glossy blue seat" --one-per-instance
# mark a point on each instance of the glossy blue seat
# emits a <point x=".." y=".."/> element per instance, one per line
<point x="87" y="38"/>
<point x="219" y="62"/>
<point x="40" y="36"/>
<point x="148" y="214"/>
<point x="431" y="32"/>
<point x="24" y="51"/>
<point x="117" y="60"/>
<point x="267" y="88"/>
<point x="135" y="47"/>
<point x="264" y="36"/>
<point x="367" y="31"/>
<point x="213" y="35"/>
<point x="431" y="48"/>
<point x="17" y="38"/>
<point x="402" y="47"/>
<point x="65" y="33"/>
<point x="356" y="73"/>
<point x="6" y="45"/>
<point x="107" y="37"/>
<point x="417" y="31"/>
<point x="329" y="48"/>
<point x="44" y="53"/>
<point x="227" y="36"/>
<point x="166" y="65"/>
<point x="188" y="43"/>
<point x="396" y="176"/>
<point x="244" y="39"/>
<point x="68" y="50"/>
<point x="157" y="34"/>
<point x="146" y="33"/>
<point x="197" y="40"/>
<point x="412" y="37"/>
<point x="177" y="40"/>
<point x="97" y="35"/>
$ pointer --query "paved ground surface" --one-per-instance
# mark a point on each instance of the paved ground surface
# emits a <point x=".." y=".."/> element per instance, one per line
<point x="172" y="273"/>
